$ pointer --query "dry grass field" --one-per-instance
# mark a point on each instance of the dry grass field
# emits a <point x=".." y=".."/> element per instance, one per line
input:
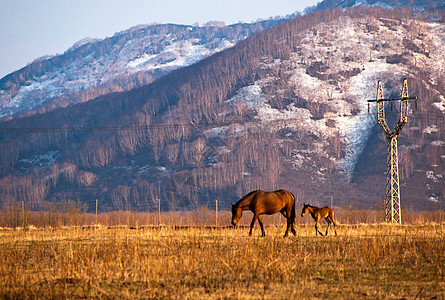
<point x="363" y="261"/>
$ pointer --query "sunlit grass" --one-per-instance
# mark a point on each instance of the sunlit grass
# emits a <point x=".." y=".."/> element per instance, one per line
<point x="365" y="261"/>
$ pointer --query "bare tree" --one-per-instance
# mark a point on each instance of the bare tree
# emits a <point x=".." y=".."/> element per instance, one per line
<point x="198" y="148"/>
<point x="69" y="170"/>
<point x="406" y="163"/>
<point x="55" y="172"/>
<point x="120" y="197"/>
<point x="104" y="154"/>
<point x="272" y="166"/>
<point x="85" y="178"/>
<point x="172" y="152"/>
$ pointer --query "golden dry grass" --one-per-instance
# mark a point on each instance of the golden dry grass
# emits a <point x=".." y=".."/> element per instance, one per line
<point x="363" y="261"/>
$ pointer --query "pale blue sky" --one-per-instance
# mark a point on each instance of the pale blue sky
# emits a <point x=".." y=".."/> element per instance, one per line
<point x="32" y="28"/>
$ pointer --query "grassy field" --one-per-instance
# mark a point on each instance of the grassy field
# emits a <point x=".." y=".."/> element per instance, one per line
<point x="363" y="261"/>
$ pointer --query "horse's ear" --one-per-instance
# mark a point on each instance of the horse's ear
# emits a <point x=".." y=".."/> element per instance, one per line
<point x="231" y="204"/>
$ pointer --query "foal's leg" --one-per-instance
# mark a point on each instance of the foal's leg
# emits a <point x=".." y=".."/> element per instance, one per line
<point x="316" y="228"/>
<point x="329" y="224"/>
<point x="332" y="219"/>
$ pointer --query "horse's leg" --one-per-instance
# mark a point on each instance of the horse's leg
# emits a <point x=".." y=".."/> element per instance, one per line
<point x="285" y="214"/>
<point x="287" y="227"/>
<point x="292" y="229"/>
<point x="252" y="224"/>
<point x="263" y="233"/>
<point x="290" y="224"/>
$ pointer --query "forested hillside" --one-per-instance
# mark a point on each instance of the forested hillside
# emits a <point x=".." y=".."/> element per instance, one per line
<point x="285" y="108"/>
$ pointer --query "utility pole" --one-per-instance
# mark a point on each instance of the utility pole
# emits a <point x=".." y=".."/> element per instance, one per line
<point x="23" y="214"/>
<point x="216" y="213"/>
<point x="393" y="212"/>
<point x="159" y="212"/>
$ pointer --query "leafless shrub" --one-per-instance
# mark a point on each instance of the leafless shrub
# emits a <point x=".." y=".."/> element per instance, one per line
<point x="85" y="178"/>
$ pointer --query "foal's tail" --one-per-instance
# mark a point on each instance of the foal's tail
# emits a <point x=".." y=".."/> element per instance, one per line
<point x="331" y="216"/>
<point x="292" y="213"/>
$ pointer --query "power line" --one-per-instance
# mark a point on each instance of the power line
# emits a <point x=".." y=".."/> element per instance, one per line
<point x="27" y="130"/>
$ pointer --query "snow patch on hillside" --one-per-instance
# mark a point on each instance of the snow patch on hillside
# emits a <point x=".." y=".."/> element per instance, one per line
<point x="431" y="129"/>
<point x="43" y="160"/>
<point x="82" y="42"/>
<point x="177" y="54"/>
<point x="255" y="100"/>
<point x="440" y="105"/>
<point x="140" y="61"/>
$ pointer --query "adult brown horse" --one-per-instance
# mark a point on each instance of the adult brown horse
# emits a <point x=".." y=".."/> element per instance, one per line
<point x="261" y="202"/>
<point x="320" y="212"/>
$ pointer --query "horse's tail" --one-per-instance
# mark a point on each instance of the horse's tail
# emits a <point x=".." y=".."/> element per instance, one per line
<point x="292" y="213"/>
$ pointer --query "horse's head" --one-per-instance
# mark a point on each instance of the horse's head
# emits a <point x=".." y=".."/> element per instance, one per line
<point x="236" y="214"/>
<point x="305" y="209"/>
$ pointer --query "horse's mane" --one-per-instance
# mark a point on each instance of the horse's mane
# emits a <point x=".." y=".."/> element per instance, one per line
<point x="249" y="194"/>
<point x="245" y="198"/>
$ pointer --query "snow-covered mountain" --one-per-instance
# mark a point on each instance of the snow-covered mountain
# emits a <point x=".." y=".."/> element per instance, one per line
<point x="131" y="58"/>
